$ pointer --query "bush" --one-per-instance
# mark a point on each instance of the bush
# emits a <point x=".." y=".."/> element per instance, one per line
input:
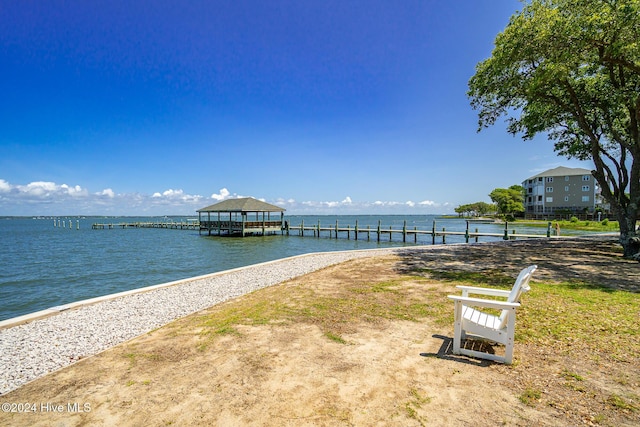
<point x="574" y="219"/>
<point x="605" y="221"/>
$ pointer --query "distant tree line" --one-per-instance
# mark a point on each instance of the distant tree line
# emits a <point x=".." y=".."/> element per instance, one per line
<point x="475" y="209"/>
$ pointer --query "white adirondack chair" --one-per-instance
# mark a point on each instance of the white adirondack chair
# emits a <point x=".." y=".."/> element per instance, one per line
<point x="473" y="322"/>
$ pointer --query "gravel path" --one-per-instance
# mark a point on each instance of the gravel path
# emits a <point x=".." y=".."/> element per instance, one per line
<point x="34" y="349"/>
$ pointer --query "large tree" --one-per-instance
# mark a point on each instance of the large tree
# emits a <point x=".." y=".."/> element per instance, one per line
<point x="508" y="200"/>
<point x="570" y="69"/>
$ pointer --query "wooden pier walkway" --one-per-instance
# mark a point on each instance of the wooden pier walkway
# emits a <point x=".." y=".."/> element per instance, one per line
<point x="438" y="235"/>
<point x="188" y="225"/>
<point x="412" y="234"/>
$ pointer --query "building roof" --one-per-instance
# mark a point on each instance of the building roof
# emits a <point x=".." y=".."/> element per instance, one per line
<point x="247" y="204"/>
<point x="562" y="171"/>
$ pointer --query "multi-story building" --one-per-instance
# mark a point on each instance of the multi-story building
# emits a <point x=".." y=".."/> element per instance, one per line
<point x="560" y="191"/>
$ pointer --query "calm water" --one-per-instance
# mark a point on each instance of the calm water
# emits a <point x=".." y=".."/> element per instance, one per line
<point x="42" y="266"/>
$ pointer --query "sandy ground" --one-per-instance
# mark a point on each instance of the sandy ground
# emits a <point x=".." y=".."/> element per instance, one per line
<point x="269" y="367"/>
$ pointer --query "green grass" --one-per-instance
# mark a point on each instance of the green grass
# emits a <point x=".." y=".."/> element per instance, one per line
<point x="619" y="402"/>
<point x="579" y="314"/>
<point x="571" y="375"/>
<point x="530" y="396"/>
<point x="335" y="337"/>
<point x="416" y="401"/>
<point x="595" y="226"/>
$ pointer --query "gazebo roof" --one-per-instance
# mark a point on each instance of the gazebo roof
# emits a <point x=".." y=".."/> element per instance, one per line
<point x="247" y="204"/>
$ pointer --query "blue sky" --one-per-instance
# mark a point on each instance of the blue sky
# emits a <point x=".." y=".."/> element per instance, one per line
<point x="163" y="107"/>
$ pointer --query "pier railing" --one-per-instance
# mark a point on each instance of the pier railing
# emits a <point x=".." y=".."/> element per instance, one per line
<point x="181" y="225"/>
<point x="379" y="232"/>
<point x="437" y="234"/>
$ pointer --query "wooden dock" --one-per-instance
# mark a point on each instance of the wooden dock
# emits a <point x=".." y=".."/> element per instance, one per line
<point x="380" y="232"/>
<point x="182" y="225"/>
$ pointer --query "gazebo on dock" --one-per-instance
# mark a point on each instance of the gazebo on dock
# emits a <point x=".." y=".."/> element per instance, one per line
<point x="241" y="217"/>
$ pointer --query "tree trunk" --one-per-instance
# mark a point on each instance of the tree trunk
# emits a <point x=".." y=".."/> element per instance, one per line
<point x="629" y="238"/>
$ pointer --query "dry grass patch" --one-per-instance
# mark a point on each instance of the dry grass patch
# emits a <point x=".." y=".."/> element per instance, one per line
<point x="336" y="310"/>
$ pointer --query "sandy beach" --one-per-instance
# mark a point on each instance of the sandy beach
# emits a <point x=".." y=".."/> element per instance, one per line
<point x="273" y="361"/>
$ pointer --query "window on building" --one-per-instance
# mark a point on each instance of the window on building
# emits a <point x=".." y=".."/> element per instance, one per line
<point x="585" y="188"/>
<point x="549" y="179"/>
<point x="549" y="189"/>
<point x="585" y="198"/>
<point x="566" y="188"/>
<point x="530" y="199"/>
<point x="566" y="178"/>
<point x="549" y="199"/>
<point x="540" y="179"/>
<point x="566" y="198"/>
<point x="586" y="177"/>
<point x="539" y="198"/>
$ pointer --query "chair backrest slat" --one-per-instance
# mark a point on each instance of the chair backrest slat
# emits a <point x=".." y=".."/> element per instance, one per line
<point x="520" y="286"/>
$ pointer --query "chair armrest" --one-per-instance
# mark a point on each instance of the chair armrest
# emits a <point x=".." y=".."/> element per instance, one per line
<point x="486" y="303"/>
<point x="483" y="291"/>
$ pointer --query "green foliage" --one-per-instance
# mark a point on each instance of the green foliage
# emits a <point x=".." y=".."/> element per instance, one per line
<point x="570" y="69"/>
<point x="475" y="209"/>
<point x="508" y="200"/>
<point x="574" y="219"/>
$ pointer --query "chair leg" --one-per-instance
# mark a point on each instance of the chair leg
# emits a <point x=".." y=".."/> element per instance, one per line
<point x="457" y="328"/>
<point x="508" y="346"/>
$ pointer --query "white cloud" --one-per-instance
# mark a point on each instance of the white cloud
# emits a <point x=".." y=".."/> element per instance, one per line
<point x="286" y="202"/>
<point x="45" y="189"/>
<point x="107" y="192"/>
<point x="172" y="195"/>
<point x="169" y="194"/>
<point x="330" y="204"/>
<point x="76" y="191"/>
<point x="38" y="188"/>
<point x="388" y="203"/>
<point x="50" y="198"/>
<point x="223" y="194"/>
<point x="5" y="187"/>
